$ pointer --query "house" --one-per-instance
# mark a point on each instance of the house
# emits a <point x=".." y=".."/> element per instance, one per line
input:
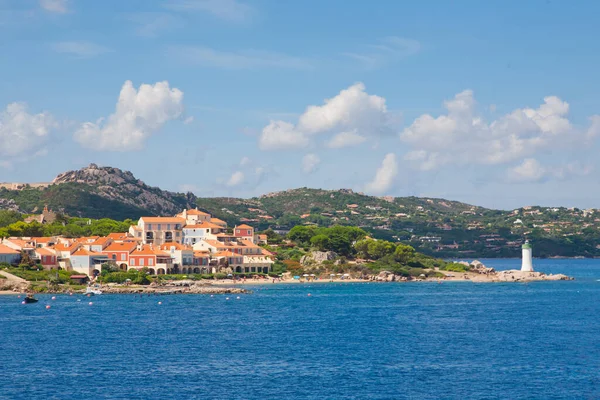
<point x="9" y="255"/>
<point x="159" y="230"/>
<point x="260" y="239"/>
<point x="118" y="252"/>
<point x="20" y="245"/>
<point x="98" y="245"/>
<point x="46" y="217"/>
<point x="195" y="233"/>
<point x="194" y="216"/>
<point x="47" y="257"/>
<point x="119" y="237"/>
<point x="219" y="222"/>
<point x="182" y="255"/>
<point x="146" y="256"/>
<point x="87" y="262"/>
<point x="244" y="231"/>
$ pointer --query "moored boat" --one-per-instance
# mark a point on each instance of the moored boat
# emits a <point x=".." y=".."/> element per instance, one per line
<point x="30" y="299"/>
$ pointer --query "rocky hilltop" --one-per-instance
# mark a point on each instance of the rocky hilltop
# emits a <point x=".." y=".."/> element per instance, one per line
<point x="97" y="192"/>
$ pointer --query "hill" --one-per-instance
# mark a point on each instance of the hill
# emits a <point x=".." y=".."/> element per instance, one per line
<point x="97" y="192"/>
<point x="437" y="227"/>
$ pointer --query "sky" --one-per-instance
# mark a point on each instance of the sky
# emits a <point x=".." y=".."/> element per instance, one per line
<point x="492" y="103"/>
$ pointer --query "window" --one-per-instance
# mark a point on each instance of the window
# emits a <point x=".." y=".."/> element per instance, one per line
<point x="122" y="257"/>
<point x="208" y="230"/>
<point x="132" y="262"/>
<point x="150" y="262"/>
<point x="168" y="227"/>
<point x="249" y="233"/>
<point x="141" y="262"/>
<point x="177" y="234"/>
<point x="149" y="227"/>
<point x="237" y="231"/>
<point x="158" y="227"/>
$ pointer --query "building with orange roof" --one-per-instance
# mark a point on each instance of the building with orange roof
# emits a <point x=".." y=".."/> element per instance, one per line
<point x="158" y="230"/>
<point x="118" y="253"/>
<point x="194" y="216"/>
<point x="147" y="256"/>
<point x="9" y="255"/>
<point x="244" y="231"/>
<point x="205" y="230"/>
<point x="87" y="262"/>
<point x="44" y="241"/>
<point x="47" y="257"/>
<point x="219" y="222"/>
<point x="118" y="236"/>
<point x="182" y="255"/>
<point x="98" y="245"/>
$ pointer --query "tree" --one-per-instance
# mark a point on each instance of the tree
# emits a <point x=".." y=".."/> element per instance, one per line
<point x="301" y="234"/>
<point x="321" y="242"/>
<point x="380" y="248"/>
<point x="403" y="253"/>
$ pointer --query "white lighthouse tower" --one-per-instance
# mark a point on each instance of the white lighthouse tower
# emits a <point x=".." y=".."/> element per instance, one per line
<point x="527" y="264"/>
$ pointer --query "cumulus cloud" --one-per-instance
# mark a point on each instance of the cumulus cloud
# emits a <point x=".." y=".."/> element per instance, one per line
<point x="235" y="179"/>
<point x="245" y="161"/>
<point x="80" y="49"/>
<point x="138" y="114"/>
<point x="385" y="175"/>
<point x="461" y="136"/>
<point x="346" y="139"/>
<point x="22" y="133"/>
<point x="279" y="135"/>
<point x="55" y="6"/>
<point x="310" y="163"/>
<point x="351" y="115"/>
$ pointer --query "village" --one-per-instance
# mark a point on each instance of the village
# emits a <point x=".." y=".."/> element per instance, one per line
<point x="192" y="242"/>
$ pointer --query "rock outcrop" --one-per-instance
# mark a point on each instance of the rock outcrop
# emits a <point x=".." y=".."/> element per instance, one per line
<point x="123" y="186"/>
<point x="317" y="257"/>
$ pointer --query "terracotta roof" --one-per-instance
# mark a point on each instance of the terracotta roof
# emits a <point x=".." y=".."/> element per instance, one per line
<point x="21" y="243"/>
<point x="83" y="252"/>
<point x="148" y="250"/>
<point x="39" y="240"/>
<point x="67" y="246"/>
<point x="196" y="212"/>
<point x="102" y="240"/>
<point x="200" y="253"/>
<point x="178" y="246"/>
<point x="163" y="220"/>
<point x="217" y="221"/>
<point x="7" y="250"/>
<point x="227" y="254"/>
<point x="244" y="226"/>
<point x="44" y="252"/>
<point x="203" y="225"/>
<point x="118" y="235"/>
<point x="124" y="246"/>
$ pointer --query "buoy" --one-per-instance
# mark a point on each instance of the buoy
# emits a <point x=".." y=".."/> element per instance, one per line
<point x="90" y="303"/>
<point x="89" y="295"/>
<point x="22" y="301"/>
<point x="78" y="299"/>
<point x="53" y="297"/>
<point x="226" y="298"/>
<point x="309" y="295"/>
<point x="47" y="307"/>
<point x="70" y="294"/>
<point x="19" y="296"/>
<point x="212" y="295"/>
<point x="238" y="297"/>
<point x="159" y="303"/>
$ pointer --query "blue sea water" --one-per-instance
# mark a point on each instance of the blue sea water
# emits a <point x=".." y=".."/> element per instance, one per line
<point x="346" y="341"/>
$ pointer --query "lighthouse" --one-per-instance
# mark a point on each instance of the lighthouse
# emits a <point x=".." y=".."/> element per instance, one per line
<point x="527" y="264"/>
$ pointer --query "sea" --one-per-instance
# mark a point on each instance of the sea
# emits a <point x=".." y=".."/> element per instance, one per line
<point x="421" y="340"/>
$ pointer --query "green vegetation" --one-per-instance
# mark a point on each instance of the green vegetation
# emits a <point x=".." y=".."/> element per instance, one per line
<point x="63" y="226"/>
<point x="33" y="274"/>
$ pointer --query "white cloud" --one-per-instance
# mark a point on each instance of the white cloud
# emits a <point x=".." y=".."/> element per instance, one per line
<point x="80" y="49"/>
<point x="236" y="179"/>
<point x="279" y="135"/>
<point x="22" y="133"/>
<point x="138" y="114"/>
<point x="386" y="50"/>
<point x="245" y="161"/>
<point x="55" y="6"/>
<point x="385" y="175"/>
<point x="235" y="60"/>
<point x="461" y="136"/>
<point x="188" y="120"/>
<point x="529" y="170"/>
<point x="231" y="10"/>
<point x="352" y="114"/>
<point x="310" y="163"/>
<point x="346" y="139"/>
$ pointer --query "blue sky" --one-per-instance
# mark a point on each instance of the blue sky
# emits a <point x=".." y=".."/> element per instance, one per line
<point x="492" y="103"/>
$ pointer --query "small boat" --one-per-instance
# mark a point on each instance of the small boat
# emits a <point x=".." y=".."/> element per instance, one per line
<point x="92" y="292"/>
<point x="30" y="299"/>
